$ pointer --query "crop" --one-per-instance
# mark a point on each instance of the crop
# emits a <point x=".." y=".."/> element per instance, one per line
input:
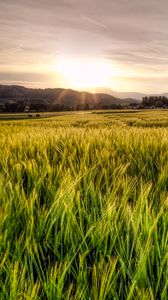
<point x="84" y="207"/>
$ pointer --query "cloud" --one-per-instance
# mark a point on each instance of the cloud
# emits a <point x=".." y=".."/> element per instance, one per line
<point x="147" y="57"/>
<point x="132" y="33"/>
<point x="24" y="76"/>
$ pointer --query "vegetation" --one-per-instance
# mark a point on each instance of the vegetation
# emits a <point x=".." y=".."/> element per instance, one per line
<point x="155" y="101"/>
<point x="84" y="206"/>
<point x="20" y="99"/>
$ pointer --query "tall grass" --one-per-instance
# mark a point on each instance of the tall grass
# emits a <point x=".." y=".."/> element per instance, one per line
<point x="83" y="210"/>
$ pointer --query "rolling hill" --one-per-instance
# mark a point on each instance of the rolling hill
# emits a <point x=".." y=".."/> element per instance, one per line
<point x="59" y="96"/>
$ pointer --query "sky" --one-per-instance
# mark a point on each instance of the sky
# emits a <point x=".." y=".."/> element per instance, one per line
<point x="119" y="44"/>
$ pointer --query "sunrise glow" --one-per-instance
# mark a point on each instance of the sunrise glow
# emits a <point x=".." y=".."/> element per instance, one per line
<point x="85" y="73"/>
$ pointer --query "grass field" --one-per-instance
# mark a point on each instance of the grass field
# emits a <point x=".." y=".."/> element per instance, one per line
<point x="84" y="206"/>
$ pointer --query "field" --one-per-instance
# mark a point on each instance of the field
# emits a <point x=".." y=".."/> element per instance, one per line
<point x="84" y="206"/>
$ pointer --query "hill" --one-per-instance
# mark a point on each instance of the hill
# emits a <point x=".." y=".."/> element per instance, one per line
<point x="58" y="98"/>
<point x="121" y="95"/>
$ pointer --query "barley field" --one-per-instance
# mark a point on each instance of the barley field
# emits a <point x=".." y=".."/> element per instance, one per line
<point x="84" y="206"/>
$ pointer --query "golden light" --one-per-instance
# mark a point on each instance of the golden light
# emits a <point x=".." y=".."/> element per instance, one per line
<point x="85" y="74"/>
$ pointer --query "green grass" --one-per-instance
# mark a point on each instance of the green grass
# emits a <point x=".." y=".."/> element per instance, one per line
<point x="29" y="115"/>
<point x="84" y="207"/>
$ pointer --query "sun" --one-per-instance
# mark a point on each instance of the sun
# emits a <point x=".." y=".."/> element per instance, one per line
<point x="85" y="73"/>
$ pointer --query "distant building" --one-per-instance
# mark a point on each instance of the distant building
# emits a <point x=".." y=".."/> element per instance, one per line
<point x="2" y="107"/>
<point x="27" y="108"/>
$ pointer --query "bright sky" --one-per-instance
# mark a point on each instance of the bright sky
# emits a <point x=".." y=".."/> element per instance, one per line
<point x="120" y="44"/>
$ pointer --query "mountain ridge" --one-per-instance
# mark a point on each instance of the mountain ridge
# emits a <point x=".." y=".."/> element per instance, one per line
<point x="124" y="95"/>
<point x="61" y="96"/>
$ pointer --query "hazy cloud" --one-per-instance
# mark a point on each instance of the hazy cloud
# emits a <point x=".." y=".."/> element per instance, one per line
<point x="127" y="32"/>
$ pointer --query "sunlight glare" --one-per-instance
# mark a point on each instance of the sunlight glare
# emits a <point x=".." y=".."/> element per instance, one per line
<point x="85" y="73"/>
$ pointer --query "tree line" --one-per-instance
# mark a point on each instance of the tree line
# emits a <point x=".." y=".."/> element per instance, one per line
<point x="155" y="102"/>
<point x="20" y="106"/>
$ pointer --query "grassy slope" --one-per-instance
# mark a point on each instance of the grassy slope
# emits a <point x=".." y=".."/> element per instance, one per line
<point x="83" y="206"/>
